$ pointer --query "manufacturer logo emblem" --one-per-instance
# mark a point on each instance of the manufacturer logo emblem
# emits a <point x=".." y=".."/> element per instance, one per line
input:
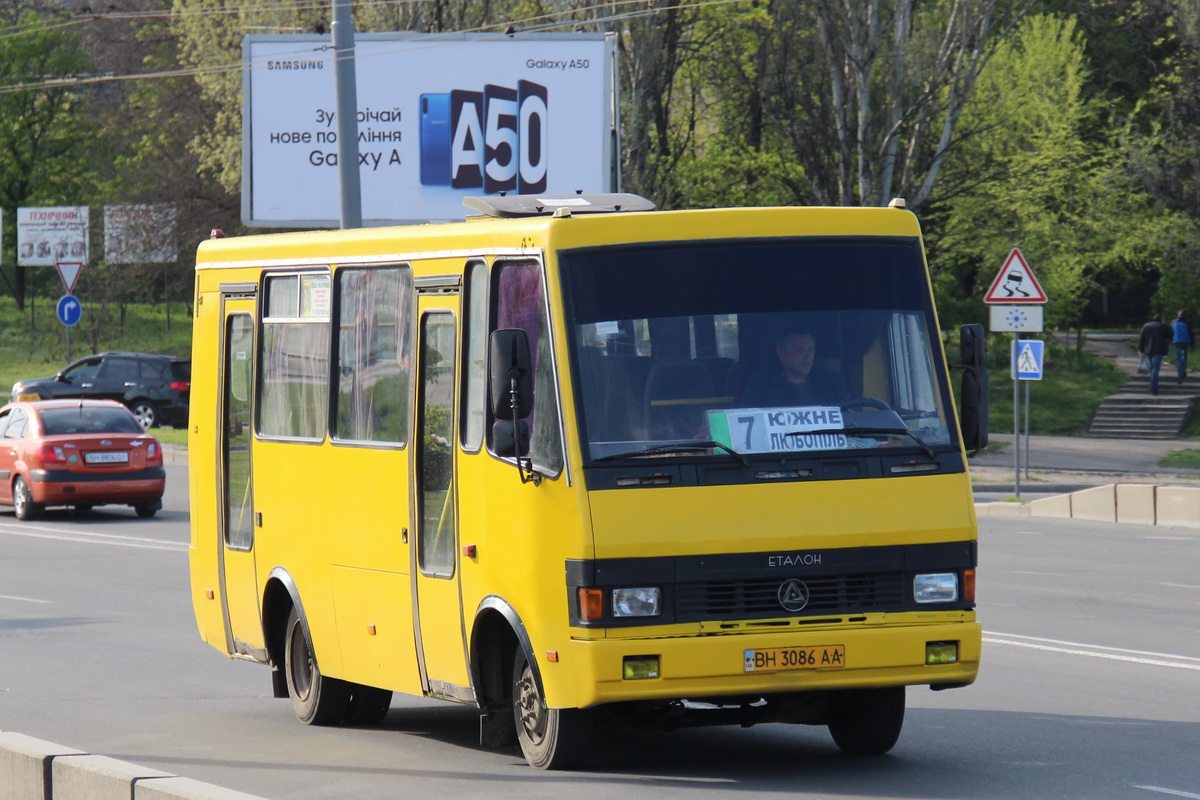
<point x="793" y="595"/>
<point x="105" y="442"/>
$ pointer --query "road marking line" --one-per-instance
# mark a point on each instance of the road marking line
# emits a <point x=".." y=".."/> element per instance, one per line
<point x="22" y="599"/>
<point x="1174" y="792"/>
<point x="34" y="532"/>
<point x="1113" y="654"/>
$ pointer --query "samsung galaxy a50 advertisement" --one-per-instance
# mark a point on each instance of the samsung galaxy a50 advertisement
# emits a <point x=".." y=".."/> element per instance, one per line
<point x="439" y="118"/>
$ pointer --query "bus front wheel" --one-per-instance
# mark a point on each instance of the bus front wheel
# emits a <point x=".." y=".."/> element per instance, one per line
<point x="867" y="722"/>
<point x="550" y="738"/>
<point x="317" y="700"/>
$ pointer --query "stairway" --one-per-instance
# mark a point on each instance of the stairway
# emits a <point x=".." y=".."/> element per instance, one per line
<point x="1134" y="413"/>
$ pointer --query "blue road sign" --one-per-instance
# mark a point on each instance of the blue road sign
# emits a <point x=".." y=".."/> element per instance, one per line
<point x="1027" y="359"/>
<point x="69" y="310"/>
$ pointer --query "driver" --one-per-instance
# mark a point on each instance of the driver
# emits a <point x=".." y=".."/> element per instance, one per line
<point x="796" y="381"/>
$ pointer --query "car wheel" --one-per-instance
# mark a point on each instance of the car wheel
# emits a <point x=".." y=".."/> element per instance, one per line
<point x="317" y="700"/>
<point x="23" y="501"/>
<point x="550" y="738"/>
<point x="146" y="413"/>
<point x="146" y="510"/>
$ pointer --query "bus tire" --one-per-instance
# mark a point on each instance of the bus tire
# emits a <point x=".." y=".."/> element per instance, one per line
<point x="550" y="738"/>
<point x="368" y="705"/>
<point x="23" y="505"/>
<point x="316" y="700"/>
<point x="867" y="722"/>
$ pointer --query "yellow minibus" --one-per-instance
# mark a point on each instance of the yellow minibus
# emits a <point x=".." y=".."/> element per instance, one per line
<point x="585" y="465"/>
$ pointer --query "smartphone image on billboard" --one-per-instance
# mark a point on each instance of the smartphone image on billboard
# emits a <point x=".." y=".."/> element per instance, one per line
<point x="500" y="139"/>
<point x="466" y="139"/>
<point x="435" y="139"/>
<point x="533" y="135"/>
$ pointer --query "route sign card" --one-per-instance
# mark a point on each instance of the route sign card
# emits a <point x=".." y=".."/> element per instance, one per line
<point x="1015" y="283"/>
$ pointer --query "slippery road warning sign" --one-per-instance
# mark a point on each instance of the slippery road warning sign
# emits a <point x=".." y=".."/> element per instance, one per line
<point x="1015" y="283"/>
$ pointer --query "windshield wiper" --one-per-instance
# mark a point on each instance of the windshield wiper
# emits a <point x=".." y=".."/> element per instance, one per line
<point x="854" y="429"/>
<point x="677" y="447"/>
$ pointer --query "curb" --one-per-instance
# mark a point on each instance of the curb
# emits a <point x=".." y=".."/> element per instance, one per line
<point x="1125" y="503"/>
<point x="33" y="769"/>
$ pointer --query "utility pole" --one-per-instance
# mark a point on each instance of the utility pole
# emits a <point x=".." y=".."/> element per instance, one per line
<point x="347" y="114"/>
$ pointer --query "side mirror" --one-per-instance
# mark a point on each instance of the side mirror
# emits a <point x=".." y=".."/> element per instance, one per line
<point x="973" y="402"/>
<point x="510" y="374"/>
<point x="509" y="440"/>
<point x="971" y="346"/>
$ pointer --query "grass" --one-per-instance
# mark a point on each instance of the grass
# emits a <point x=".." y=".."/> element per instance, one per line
<point x="33" y="343"/>
<point x="1063" y="402"/>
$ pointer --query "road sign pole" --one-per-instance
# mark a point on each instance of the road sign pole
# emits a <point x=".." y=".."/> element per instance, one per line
<point x="1016" y="418"/>
<point x="1027" y="430"/>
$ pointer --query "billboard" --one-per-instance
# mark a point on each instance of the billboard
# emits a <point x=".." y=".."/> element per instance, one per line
<point x="46" y="236"/>
<point x="140" y="234"/>
<point x="440" y="117"/>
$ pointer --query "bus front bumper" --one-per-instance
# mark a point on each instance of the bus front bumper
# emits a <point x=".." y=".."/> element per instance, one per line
<point x="695" y="667"/>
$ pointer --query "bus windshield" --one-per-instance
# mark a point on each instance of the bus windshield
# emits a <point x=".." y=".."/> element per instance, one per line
<point x="745" y="349"/>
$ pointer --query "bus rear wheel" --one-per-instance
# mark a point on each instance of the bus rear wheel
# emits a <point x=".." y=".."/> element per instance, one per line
<point x="316" y="699"/>
<point x="867" y="722"/>
<point x="550" y="738"/>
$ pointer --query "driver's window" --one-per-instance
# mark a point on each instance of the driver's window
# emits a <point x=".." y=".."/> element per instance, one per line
<point x="83" y="372"/>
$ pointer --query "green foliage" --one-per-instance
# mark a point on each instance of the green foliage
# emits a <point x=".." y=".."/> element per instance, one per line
<point x="1074" y="383"/>
<point x="1053" y="183"/>
<point x="33" y="342"/>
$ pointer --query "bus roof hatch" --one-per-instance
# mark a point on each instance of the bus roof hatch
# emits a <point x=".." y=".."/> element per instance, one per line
<point x="532" y="205"/>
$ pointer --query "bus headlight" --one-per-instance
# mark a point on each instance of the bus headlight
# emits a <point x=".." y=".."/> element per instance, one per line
<point x="936" y="587"/>
<point x="640" y="602"/>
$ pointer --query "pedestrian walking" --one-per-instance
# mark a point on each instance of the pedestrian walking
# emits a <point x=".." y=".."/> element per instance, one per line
<point x="1153" y="345"/>
<point x="1184" y="341"/>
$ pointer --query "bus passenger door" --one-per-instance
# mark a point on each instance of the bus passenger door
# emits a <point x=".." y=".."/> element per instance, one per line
<point x="440" y="639"/>
<point x="239" y="585"/>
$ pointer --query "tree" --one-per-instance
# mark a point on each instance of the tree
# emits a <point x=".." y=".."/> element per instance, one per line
<point x="1057" y="187"/>
<point x="46" y="142"/>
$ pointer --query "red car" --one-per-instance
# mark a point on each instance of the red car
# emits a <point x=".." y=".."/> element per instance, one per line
<point x="79" y="453"/>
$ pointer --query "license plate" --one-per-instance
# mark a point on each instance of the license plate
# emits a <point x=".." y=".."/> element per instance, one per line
<point x="775" y="659"/>
<point x="120" y="457"/>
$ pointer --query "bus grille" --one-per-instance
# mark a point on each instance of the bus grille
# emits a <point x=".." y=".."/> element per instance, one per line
<point x="732" y="599"/>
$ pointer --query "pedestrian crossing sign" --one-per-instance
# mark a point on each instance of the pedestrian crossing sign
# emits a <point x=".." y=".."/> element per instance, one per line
<point x="1027" y="359"/>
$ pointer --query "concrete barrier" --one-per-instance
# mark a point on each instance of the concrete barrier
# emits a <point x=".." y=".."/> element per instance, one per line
<point x="89" y="777"/>
<point x="33" y="769"/>
<point x="1136" y="503"/>
<point x="25" y="764"/>
<point x="1179" y="505"/>
<point x="1128" y="503"/>
<point x="1098" y="504"/>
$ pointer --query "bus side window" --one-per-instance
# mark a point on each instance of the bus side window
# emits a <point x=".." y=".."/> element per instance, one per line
<point x="373" y="369"/>
<point x="294" y="398"/>
<point x="520" y="302"/>
<point x="475" y="343"/>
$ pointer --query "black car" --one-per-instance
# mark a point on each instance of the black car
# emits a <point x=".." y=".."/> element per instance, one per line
<point x="154" y="387"/>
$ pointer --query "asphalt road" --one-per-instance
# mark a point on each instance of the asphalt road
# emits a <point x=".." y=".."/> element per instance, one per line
<point x="1090" y="686"/>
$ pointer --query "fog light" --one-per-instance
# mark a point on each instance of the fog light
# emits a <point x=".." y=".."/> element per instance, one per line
<point x="936" y="587"/>
<point x="638" y="668"/>
<point x="941" y="653"/>
<point x="640" y="602"/>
